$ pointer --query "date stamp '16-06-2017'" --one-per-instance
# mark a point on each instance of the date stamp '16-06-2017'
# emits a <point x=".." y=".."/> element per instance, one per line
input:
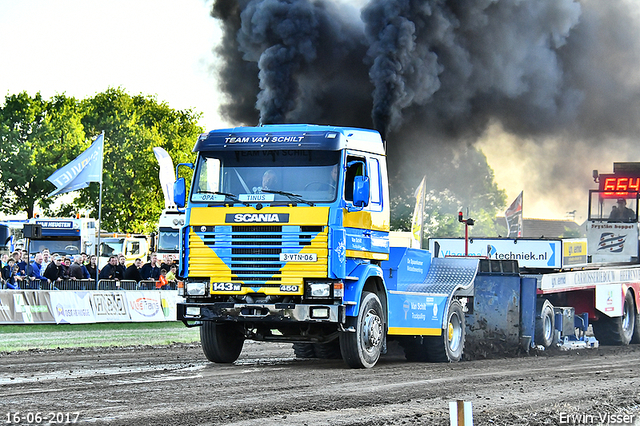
<point x="40" y="418"/>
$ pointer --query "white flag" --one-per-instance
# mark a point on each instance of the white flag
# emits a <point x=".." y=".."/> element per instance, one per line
<point x="167" y="175"/>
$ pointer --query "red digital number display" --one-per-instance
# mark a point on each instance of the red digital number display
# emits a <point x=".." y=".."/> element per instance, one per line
<point x="612" y="186"/>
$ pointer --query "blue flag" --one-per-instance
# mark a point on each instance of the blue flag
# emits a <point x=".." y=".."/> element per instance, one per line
<point x="87" y="167"/>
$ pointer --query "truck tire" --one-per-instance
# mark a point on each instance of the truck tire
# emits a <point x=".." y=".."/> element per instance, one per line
<point x="221" y="343"/>
<point x="619" y="330"/>
<point x="362" y="349"/>
<point x="304" y="350"/>
<point x="414" y="349"/>
<point x="328" y="350"/>
<point x="545" y="325"/>
<point x="448" y="347"/>
<point x="636" y="328"/>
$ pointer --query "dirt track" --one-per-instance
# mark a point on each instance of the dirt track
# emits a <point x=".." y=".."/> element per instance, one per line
<point x="175" y="385"/>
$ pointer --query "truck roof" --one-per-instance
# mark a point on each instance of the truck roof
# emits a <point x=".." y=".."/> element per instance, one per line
<point x="291" y="136"/>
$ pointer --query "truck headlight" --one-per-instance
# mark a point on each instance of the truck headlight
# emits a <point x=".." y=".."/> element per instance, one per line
<point x="196" y="289"/>
<point x="319" y="290"/>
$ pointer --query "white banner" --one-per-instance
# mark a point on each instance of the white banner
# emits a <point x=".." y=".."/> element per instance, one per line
<point x="145" y="306"/>
<point x="72" y="307"/>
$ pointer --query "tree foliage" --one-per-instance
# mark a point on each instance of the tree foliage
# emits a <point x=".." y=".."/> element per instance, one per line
<point x="477" y="197"/>
<point x="38" y="137"/>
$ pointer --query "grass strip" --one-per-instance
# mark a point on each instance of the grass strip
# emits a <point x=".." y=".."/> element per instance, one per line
<point x="52" y="336"/>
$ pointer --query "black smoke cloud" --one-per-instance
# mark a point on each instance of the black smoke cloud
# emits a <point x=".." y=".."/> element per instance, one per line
<point x="432" y="75"/>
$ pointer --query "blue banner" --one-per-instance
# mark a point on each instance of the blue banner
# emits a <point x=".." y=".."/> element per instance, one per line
<point x="86" y="168"/>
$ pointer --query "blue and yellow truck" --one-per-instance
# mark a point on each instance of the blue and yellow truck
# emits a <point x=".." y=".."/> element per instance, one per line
<point x="287" y="239"/>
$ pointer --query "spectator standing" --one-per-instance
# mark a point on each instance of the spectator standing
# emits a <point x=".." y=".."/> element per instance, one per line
<point x="54" y="271"/>
<point x="66" y="263"/>
<point x="5" y="259"/>
<point x="171" y="275"/>
<point x="35" y="272"/>
<point x="77" y="271"/>
<point x="121" y="267"/>
<point x="162" y="282"/>
<point x="13" y="281"/>
<point x="7" y="272"/>
<point x="46" y="259"/>
<point x="133" y="271"/>
<point x="109" y="270"/>
<point x="22" y="265"/>
<point x="92" y="267"/>
<point x="151" y="271"/>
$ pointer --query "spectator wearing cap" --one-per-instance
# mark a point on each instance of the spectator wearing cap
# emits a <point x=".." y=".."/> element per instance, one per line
<point x="621" y="212"/>
<point x="54" y="272"/>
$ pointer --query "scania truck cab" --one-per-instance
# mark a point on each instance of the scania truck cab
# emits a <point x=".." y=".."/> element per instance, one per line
<point x="286" y="226"/>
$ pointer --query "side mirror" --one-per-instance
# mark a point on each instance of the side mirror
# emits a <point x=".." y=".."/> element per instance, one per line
<point x="179" y="192"/>
<point x="361" y="191"/>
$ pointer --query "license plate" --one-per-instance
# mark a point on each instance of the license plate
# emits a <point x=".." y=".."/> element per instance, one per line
<point x="289" y="288"/>
<point x="298" y="257"/>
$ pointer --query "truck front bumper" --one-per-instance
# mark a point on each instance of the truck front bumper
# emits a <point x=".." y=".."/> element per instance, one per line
<point x="276" y="312"/>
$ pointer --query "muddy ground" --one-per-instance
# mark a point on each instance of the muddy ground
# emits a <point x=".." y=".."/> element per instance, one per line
<point x="175" y="385"/>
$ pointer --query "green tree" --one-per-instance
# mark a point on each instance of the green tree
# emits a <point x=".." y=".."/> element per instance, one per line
<point x="132" y="199"/>
<point x="39" y="136"/>
<point x="472" y="190"/>
<point x="36" y="137"/>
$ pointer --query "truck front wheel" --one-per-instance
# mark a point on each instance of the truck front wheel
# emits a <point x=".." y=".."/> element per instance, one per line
<point x="221" y="343"/>
<point x="362" y="349"/>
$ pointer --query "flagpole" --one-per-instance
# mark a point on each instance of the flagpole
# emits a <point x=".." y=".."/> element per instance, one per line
<point x="424" y="196"/>
<point x="99" y="214"/>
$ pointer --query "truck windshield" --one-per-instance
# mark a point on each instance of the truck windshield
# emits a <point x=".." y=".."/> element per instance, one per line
<point x="111" y="247"/>
<point x="312" y="175"/>
<point x="62" y="247"/>
<point x="168" y="240"/>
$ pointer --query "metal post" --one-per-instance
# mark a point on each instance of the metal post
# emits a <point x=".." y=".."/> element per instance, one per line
<point x="99" y="214"/>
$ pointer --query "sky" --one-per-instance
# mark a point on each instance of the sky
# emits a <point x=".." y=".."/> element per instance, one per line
<point x="165" y="48"/>
<point x="84" y="47"/>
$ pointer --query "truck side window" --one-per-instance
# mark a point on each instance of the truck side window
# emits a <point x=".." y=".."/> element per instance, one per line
<point x="353" y="171"/>
<point x="374" y="175"/>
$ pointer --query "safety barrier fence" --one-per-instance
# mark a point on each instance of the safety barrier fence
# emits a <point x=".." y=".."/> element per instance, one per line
<point x="91" y="285"/>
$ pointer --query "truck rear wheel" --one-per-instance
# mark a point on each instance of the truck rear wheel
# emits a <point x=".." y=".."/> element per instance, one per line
<point x="221" y="343"/>
<point x="617" y="330"/>
<point x="362" y="349"/>
<point x="449" y="345"/>
<point x="636" y="328"/>
<point x="545" y="327"/>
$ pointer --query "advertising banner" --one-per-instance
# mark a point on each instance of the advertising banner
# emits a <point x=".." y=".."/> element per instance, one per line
<point x="25" y="307"/>
<point x="110" y="306"/>
<point x="82" y="307"/>
<point x="529" y="253"/>
<point x="72" y="307"/>
<point x="145" y="306"/>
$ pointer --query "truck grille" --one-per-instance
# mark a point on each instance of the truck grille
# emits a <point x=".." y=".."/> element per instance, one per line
<point x="250" y="254"/>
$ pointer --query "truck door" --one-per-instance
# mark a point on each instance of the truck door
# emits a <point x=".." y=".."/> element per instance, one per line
<point x="365" y="226"/>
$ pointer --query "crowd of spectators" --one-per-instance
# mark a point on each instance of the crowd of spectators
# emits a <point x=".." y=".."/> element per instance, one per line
<point x="18" y="273"/>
